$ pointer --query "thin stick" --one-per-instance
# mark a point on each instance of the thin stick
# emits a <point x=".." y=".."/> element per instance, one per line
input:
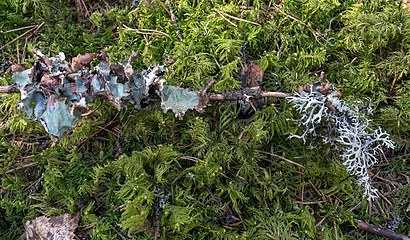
<point x="87" y="13"/>
<point x="22" y="35"/>
<point x="239" y="19"/>
<point x="36" y="30"/>
<point x="380" y="231"/>
<point x="276" y="94"/>
<point x="335" y="229"/>
<point x="22" y="167"/>
<point x="212" y="96"/>
<point x="209" y="86"/>
<point x="91" y="111"/>
<point x="229" y="21"/>
<point x="22" y="28"/>
<point x="309" y="203"/>
<point x="119" y="234"/>
<point x="163" y="6"/>
<point x="17" y="38"/>
<point x="321" y="221"/>
<point x="222" y="97"/>
<point x="174" y="19"/>
<point x="2" y="51"/>
<point x="18" y="53"/>
<point x="23" y="56"/>
<point x="190" y="158"/>
<point x="319" y="193"/>
<point x="277" y="8"/>
<point x="282" y="158"/>
<point x="144" y="31"/>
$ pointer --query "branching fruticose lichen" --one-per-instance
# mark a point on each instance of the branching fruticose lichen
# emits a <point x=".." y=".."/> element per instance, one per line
<point x="361" y="146"/>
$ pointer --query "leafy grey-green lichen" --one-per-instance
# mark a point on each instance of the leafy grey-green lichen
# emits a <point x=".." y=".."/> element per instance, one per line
<point x="57" y="118"/>
<point x="178" y="100"/>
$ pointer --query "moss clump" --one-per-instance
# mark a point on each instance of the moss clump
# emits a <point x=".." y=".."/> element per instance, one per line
<point x="218" y="173"/>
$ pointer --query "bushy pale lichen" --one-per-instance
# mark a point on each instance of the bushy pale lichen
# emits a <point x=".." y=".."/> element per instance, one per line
<point x="361" y="147"/>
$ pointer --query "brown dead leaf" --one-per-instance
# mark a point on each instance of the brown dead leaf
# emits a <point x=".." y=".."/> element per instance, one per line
<point x="48" y="82"/>
<point x="307" y="88"/>
<point x="330" y="106"/>
<point x="252" y="75"/>
<point x="118" y="70"/>
<point x="17" y="68"/>
<point x="103" y="56"/>
<point x="299" y="89"/>
<point x="82" y="61"/>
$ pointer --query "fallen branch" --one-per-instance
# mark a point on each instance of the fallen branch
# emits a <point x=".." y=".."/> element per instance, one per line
<point x="380" y="231"/>
<point x="56" y="95"/>
<point x="237" y="95"/>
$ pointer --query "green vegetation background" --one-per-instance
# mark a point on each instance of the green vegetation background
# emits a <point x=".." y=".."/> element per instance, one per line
<point x="224" y="183"/>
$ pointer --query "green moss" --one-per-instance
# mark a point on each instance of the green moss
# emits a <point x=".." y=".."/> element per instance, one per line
<point x="222" y="172"/>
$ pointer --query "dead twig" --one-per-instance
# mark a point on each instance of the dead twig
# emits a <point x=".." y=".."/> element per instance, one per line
<point x="319" y="193"/>
<point x="276" y="94"/>
<point x="22" y="167"/>
<point x="88" y="226"/>
<point x="163" y="6"/>
<point x="248" y="92"/>
<point x="380" y="231"/>
<point x="209" y="86"/>
<point x="144" y="31"/>
<point x="91" y="111"/>
<point x="190" y="158"/>
<point x="21" y="28"/>
<point x="118" y="208"/>
<point x="282" y="158"/>
<point x="309" y="203"/>
<point x="321" y="221"/>
<point x="33" y="29"/>
<point x="174" y="19"/>
<point x="212" y="96"/>
<point x="238" y="19"/>
<point x="335" y="229"/>
<point x="18" y="53"/>
<point x="229" y="21"/>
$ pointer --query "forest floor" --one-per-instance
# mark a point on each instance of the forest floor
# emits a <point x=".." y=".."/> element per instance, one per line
<point x="227" y="173"/>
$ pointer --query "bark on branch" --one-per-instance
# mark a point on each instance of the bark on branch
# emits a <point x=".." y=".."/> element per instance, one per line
<point x="213" y="96"/>
<point x="9" y="89"/>
<point x="380" y="231"/>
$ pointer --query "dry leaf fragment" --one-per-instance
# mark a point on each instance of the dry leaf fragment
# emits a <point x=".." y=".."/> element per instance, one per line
<point x="299" y="89"/>
<point x="307" y="88"/>
<point x="251" y="75"/>
<point x="52" y="228"/>
<point x="49" y="82"/>
<point x="329" y="105"/>
<point x="17" y="68"/>
<point x="118" y="70"/>
<point x="43" y="58"/>
<point x="82" y="61"/>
